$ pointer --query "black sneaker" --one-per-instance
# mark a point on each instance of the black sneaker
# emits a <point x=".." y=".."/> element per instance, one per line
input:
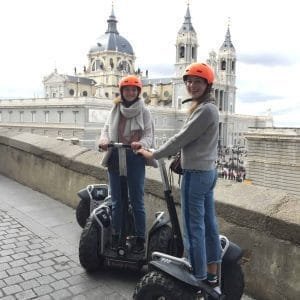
<point x="139" y="246"/>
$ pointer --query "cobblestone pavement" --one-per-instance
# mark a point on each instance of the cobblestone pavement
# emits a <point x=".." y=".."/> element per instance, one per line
<point x="39" y="252"/>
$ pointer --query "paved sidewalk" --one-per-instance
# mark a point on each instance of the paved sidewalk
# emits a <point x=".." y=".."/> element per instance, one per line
<point x="39" y="251"/>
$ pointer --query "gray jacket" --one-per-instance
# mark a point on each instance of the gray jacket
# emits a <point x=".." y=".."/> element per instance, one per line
<point x="198" y="139"/>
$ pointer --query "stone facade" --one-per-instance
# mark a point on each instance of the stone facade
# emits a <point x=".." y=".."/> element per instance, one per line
<point x="75" y="106"/>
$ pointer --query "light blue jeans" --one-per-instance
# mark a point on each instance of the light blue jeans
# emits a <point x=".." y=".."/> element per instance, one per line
<point x="135" y="181"/>
<point x="200" y="228"/>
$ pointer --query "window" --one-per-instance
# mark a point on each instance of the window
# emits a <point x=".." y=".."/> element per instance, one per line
<point x="181" y="52"/>
<point x="223" y="65"/>
<point x="33" y="114"/>
<point x="0" y="116"/>
<point x="106" y="95"/>
<point x="21" y="116"/>
<point x="179" y="100"/>
<point x="46" y="114"/>
<point x="97" y="65"/>
<point x="60" y="114"/>
<point x="71" y="92"/>
<point x="193" y="52"/>
<point x="233" y="66"/>
<point x="75" y="114"/>
<point x="84" y="93"/>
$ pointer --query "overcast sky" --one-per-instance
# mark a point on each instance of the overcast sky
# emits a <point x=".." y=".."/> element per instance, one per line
<point x="40" y="35"/>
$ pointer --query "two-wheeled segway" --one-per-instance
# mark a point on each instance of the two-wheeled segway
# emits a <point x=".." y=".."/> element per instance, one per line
<point x="95" y="247"/>
<point x="171" y="277"/>
<point x="90" y="197"/>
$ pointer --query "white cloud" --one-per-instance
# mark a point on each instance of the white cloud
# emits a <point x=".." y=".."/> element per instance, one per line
<point x="37" y="36"/>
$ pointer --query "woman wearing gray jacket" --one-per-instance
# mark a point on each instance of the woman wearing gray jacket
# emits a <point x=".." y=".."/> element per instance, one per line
<point x="198" y="140"/>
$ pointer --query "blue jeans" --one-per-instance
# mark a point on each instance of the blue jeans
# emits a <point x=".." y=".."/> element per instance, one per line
<point x="135" y="181"/>
<point x="200" y="229"/>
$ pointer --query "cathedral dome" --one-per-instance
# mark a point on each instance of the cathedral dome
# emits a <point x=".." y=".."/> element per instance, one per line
<point x="111" y="40"/>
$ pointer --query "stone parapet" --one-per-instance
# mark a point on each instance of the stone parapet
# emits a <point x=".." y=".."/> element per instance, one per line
<point x="274" y="158"/>
<point x="263" y="221"/>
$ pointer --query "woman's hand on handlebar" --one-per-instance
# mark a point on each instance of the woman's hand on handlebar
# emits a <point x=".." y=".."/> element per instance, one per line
<point x="146" y="153"/>
<point x="103" y="144"/>
<point x="136" y="146"/>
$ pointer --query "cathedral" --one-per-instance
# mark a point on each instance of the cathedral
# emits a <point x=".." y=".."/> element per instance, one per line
<point x="76" y="106"/>
<point x="112" y="57"/>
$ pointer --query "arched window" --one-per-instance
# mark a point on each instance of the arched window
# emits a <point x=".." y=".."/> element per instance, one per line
<point x="111" y="62"/>
<point x="84" y="93"/>
<point x="124" y="66"/>
<point x="223" y="65"/>
<point x="97" y="65"/>
<point x="233" y="66"/>
<point x="193" y="52"/>
<point x="71" y="92"/>
<point x="181" y="52"/>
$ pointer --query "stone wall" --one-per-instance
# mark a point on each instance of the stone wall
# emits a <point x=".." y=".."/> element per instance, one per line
<point x="264" y="222"/>
<point x="274" y="158"/>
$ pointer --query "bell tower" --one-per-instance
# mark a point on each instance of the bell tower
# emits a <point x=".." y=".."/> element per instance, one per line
<point x="227" y="61"/>
<point x="186" y="45"/>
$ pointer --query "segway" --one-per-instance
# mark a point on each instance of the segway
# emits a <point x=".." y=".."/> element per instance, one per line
<point x="95" y="246"/>
<point x="90" y="197"/>
<point x="171" y="277"/>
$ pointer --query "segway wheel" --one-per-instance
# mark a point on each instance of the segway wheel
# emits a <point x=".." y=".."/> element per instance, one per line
<point x="89" y="245"/>
<point x="155" y="285"/>
<point x="82" y="212"/>
<point x="232" y="285"/>
<point x="160" y="241"/>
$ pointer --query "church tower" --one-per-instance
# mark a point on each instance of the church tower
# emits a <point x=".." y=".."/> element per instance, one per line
<point x="186" y="53"/>
<point x="186" y="45"/>
<point x="226" y="70"/>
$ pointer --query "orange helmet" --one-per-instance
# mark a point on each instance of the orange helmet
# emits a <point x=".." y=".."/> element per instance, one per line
<point x="130" y="80"/>
<point x="200" y="70"/>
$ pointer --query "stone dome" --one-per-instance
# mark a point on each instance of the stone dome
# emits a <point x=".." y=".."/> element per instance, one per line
<point x="111" y="40"/>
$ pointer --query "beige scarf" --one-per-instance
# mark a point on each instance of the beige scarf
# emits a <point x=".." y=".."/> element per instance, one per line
<point x="134" y="119"/>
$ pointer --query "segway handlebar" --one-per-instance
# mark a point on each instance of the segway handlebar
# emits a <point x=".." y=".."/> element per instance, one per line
<point x="118" y="145"/>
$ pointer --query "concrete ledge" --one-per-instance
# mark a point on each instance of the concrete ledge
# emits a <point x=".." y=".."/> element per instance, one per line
<point x="265" y="222"/>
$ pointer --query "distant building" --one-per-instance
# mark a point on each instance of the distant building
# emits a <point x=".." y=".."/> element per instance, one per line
<point x="75" y="105"/>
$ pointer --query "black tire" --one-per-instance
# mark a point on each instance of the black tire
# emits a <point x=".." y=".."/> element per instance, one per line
<point x="82" y="212"/>
<point x="160" y="241"/>
<point x="155" y="285"/>
<point x="232" y="284"/>
<point x="89" y="245"/>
